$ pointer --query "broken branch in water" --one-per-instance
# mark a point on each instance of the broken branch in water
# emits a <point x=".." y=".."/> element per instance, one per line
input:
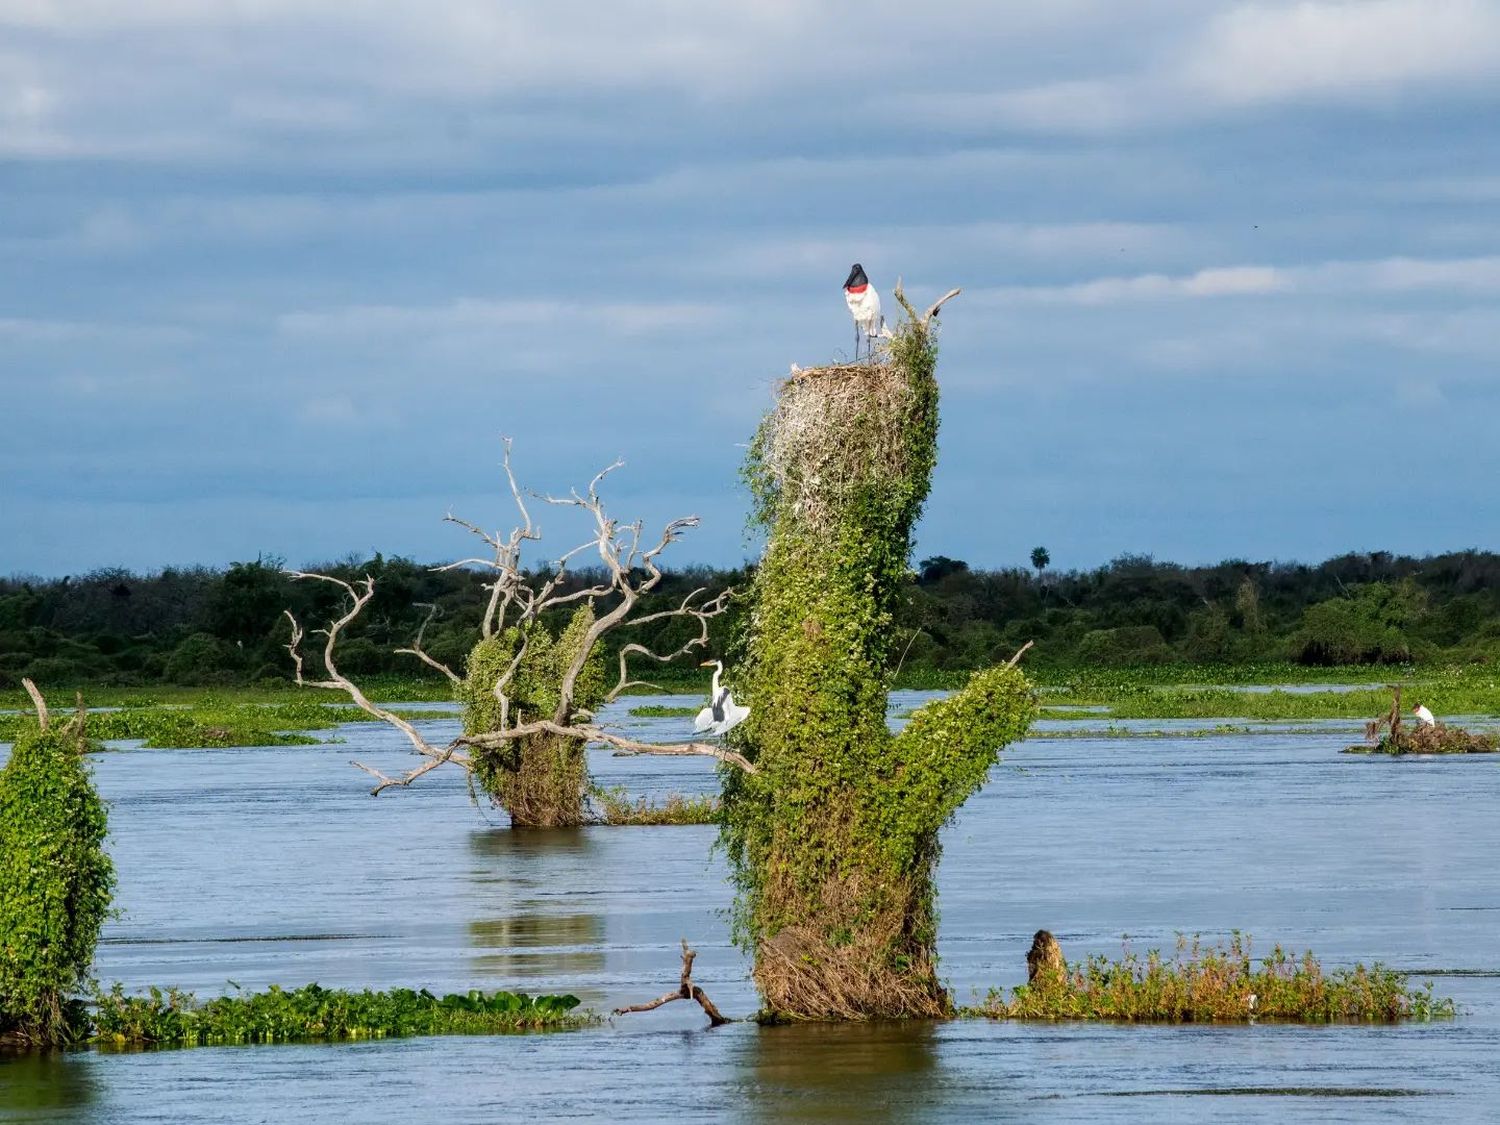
<point x="686" y="990"/>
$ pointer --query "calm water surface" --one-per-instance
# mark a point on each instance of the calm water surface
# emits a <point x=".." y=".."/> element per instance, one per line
<point x="272" y="865"/>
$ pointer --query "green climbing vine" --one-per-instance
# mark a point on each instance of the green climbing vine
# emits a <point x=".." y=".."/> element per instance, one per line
<point x="541" y="780"/>
<point x="834" y="839"/>
<point x="55" y="883"/>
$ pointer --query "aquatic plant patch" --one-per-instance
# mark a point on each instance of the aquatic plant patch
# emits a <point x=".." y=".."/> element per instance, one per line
<point x="657" y="711"/>
<point x="179" y="1019"/>
<point x="1215" y="984"/>
<point x="616" y="807"/>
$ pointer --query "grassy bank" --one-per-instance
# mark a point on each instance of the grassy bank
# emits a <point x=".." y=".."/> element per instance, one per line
<point x="180" y="1019"/>
<point x="1216" y="984"/>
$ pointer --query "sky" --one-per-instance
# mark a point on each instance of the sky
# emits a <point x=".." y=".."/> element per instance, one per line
<point x="276" y="276"/>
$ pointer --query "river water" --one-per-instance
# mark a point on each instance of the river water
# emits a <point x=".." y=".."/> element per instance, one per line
<point x="273" y="865"/>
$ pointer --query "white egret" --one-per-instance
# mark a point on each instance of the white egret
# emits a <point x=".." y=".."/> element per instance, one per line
<point x="864" y="307"/>
<point x="722" y="714"/>
<point x="1424" y="717"/>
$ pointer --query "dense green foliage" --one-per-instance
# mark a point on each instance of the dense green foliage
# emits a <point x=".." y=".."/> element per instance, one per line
<point x="55" y="882"/>
<point x="178" y="1019"/>
<point x="539" y="779"/>
<point x="225" y="627"/>
<point x="1216" y="984"/>
<point x="833" y="840"/>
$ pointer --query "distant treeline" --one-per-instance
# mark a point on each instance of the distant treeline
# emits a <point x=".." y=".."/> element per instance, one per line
<point x="203" y="626"/>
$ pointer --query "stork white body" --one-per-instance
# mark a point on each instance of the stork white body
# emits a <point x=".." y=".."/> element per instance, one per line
<point x="864" y="307"/>
<point x="1424" y="717"/>
<point x="722" y="714"/>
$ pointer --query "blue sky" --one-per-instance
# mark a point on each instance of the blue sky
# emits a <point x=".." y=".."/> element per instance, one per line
<point x="278" y="274"/>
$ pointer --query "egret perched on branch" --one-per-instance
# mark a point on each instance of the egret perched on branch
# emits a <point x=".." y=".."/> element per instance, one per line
<point x="722" y="714"/>
<point x="1424" y="717"/>
<point x="864" y="307"/>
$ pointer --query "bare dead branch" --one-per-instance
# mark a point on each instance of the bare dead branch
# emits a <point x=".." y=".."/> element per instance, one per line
<point x="931" y="312"/>
<point x="939" y="303"/>
<point x="359" y="598"/>
<point x="703" y="614"/>
<point x="686" y="990"/>
<point x="38" y="702"/>
<point x="387" y="782"/>
<point x="1020" y="652"/>
<point x="417" y="650"/>
<point x="589" y="732"/>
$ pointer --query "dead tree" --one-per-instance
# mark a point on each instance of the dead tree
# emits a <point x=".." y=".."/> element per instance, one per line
<point x="516" y="742"/>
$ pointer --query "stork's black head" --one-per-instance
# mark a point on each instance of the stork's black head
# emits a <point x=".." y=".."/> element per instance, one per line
<point x="856" y="277"/>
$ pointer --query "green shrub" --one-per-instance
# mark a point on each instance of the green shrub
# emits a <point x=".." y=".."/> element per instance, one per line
<point x="200" y="659"/>
<point x="55" y="883"/>
<point x="1127" y="645"/>
<point x="1368" y="627"/>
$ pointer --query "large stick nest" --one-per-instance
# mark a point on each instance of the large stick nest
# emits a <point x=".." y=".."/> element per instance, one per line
<point x="833" y="431"/>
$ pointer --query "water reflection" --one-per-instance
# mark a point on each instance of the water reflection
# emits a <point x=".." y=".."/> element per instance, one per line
<point x="810" y="1072"/>
<point x="44" y="1087"/>
<point x="538" y="945"/>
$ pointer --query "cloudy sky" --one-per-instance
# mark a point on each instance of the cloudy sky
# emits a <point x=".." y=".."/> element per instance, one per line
<point x="277" y="274"/>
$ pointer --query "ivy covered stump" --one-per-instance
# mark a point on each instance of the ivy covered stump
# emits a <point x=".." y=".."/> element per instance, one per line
<point x="55" y="883"/>
<point x="834" y="838"/>
<point x="541" y="779"/>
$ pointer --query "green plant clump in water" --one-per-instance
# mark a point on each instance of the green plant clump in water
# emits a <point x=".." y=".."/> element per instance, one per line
<point x="616" y="808"/>
<point x="1216" y="984"/>
<point x="657" y="711"/>
<point x="833" y="841"/>
<point x="539" y="779"/>
<point x="180" y="1019"/>
<point x="55" y="883"/>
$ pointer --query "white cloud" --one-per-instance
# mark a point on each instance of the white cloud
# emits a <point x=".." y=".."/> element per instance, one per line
<point x="1388" y="275"/>
<point x="1343" y="48"/>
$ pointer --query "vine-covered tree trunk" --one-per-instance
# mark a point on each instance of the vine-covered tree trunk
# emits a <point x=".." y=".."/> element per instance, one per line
<point x="834" y="838"/>
<point x="541" y="780"/>
<point x="55" y="883"/>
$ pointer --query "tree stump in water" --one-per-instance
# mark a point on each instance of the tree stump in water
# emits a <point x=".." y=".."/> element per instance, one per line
<point x="1044" y="958"/>
<point x="834" y="838"/>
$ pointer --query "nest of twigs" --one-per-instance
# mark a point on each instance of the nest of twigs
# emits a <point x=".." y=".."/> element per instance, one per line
<point x="859" y="405"/>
